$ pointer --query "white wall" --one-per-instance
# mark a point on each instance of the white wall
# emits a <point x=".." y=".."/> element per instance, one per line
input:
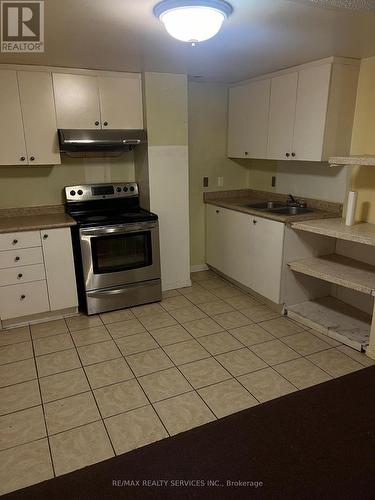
<point x="311" y="180"/>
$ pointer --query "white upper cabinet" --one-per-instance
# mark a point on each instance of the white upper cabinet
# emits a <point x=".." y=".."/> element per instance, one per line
<point x="77" y="101"/>
<point x="28" y="132"/>
<point x="311" y="112"/>
<point x="248" y="120"/>
<point x="89" y="102"/>
<point x="281" y="118"/>
<point x="309" y="115"/>
<point x="121" y="102"/>
<point x="39" y="117"/>
<point x="12" y="140"/>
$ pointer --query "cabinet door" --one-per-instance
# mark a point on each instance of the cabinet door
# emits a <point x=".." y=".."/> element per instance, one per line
<point x="266" y="257"/>
<point x="282" y="115"/>
<point x="59" y="264"/>
<point x="77" y="101"/>
<point x="214" y="237"/>
<point x="39" y="117"/>
<point x="311" y="112"/>
<point x="121" y="102"/>
<point x="227" y="242"/>
<point x="237" y="122"/>
<point x="257" y="107"/>
<point x="12" y="140"/>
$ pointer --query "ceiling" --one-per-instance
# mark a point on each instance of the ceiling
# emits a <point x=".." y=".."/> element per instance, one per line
<point x="259" y="37"/>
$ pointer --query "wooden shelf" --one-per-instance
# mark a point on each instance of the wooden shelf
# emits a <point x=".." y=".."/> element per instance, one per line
<point x="359" y="233"/>
<point x="365" y="160"/>
<point x="335" y="319"/>
<point x="339" y="270"/>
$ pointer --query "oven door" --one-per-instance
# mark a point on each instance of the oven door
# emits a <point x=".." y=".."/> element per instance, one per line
<point x="120" y="254"/>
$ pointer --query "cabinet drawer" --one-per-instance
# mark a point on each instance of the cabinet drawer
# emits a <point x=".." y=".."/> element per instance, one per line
<point x="23" y="300"/>
<point x="22" y="274"/>
<point x="22" y="257"/>
<point x="26" y="239"/>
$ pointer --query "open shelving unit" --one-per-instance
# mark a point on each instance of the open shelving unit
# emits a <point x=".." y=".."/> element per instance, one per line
<point x="339" y="270"/>
<point x="328" y="315"/>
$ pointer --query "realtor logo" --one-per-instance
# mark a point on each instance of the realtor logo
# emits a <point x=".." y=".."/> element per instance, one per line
<point x="22" y="26"/>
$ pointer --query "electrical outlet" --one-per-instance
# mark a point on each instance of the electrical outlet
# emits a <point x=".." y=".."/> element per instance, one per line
<point x="205" y="182"/>
<point x="220" y="181"/>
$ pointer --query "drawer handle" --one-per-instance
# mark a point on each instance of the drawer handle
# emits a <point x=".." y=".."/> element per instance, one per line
<point x="23" y="297"/>
<point x="17" y="258"/>
<point x="14" y="242"/>
<point x="20" y="276"/>
<point x="45" y="236"/>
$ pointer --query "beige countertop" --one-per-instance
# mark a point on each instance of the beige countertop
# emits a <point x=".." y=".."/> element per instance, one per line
<point x="336" y="228"/>
<point x="34" y="218"/>
<point x="236" y="199"/>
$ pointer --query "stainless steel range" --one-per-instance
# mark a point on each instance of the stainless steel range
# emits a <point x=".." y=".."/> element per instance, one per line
<point x="116" y="246"/>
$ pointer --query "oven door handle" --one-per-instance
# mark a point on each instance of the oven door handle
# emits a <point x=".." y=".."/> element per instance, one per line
<point x="129" y="228"/>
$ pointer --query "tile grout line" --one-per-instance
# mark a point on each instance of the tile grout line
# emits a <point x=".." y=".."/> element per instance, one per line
<point x="144" y="392"/>
<point x="94" y="397"/>
<point x="43" y="410"/>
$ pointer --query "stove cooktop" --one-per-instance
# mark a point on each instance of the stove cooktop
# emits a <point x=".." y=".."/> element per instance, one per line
<point x="87" y="219"/>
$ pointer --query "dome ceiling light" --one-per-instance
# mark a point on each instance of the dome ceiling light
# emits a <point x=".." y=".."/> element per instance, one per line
<point x="192" y="21"/>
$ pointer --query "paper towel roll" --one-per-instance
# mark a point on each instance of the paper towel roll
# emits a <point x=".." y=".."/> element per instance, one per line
<point x="351" y="208"/>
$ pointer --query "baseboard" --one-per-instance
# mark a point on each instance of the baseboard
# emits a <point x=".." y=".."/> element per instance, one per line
<point x="199" y="267"/>
<point x="175" y="285"/>
<point x="38" y="318"/>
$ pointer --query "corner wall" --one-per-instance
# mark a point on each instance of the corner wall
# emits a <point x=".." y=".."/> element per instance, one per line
<point x="208" y="158"/>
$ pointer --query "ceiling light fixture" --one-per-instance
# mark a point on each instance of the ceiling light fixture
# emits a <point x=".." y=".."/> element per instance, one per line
<point x="192" y="21"/>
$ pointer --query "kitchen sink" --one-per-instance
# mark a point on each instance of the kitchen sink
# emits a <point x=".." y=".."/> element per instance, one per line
<point x="267" y="205"/>
<point x="292" y="211"/>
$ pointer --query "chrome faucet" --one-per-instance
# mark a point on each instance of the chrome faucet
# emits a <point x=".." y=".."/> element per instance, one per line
<point x="291" y="201"/>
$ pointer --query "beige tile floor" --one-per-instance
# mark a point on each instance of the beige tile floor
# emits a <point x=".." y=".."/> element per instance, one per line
<point x="77" y="391"/>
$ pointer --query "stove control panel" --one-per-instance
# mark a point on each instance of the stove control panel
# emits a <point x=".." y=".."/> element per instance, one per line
<point x="89" y="192"/>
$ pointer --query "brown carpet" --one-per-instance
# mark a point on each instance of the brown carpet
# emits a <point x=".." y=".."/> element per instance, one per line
<point x="313" y="444"/>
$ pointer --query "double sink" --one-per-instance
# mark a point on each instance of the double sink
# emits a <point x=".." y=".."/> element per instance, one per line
<point x="279" y="208"/>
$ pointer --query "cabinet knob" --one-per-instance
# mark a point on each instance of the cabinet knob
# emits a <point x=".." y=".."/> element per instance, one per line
<point x="255" y="221"/>
<point x="17" y="258"/>
<point x="14" y="242"/>
<point x="23" y="158"/>
<point x="45" y="236"/>
<point x="20" y="276"/>
<point x="23" y="297"/>
<point x="287" y="155"/>
<point x="217" y="211"/>
<point x="96" y="123"/>
<point x="105" y="124"/>
<point x="32" y="158"/>
<point x="246" y="153"/>
<point x="293" y="154"/>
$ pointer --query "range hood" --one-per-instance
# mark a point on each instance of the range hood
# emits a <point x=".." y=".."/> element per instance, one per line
<point x="79" y="142"/>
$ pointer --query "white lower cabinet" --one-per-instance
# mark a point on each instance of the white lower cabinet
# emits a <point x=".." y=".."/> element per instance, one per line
<point x="247" y="249"/>
<point x="59" y="265"/>
<point x="39" y="278"/>
<point x="23" y="300"/>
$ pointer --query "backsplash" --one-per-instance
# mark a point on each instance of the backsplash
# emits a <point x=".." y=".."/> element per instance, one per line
<point x="35" y="186"/>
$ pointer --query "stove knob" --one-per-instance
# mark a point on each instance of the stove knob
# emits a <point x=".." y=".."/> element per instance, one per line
<point x="125" y="189"/>
<point x="80" y="192"/>
<point x="72" y="193"/>
<point x="118" y="189"/>
<point x="131" y="188"/>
